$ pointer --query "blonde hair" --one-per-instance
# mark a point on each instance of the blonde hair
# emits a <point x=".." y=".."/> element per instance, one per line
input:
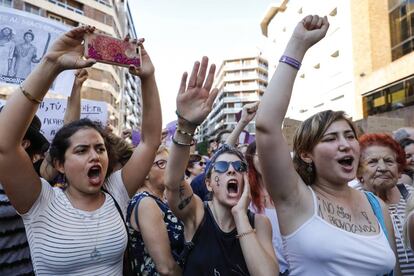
<point x="308" y="135"/>
<point x="409" y="208"/>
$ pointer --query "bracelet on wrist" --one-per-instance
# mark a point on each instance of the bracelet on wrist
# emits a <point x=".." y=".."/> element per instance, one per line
<point x="184" y="119"/>
<point x="179" y="143"/>
<point x="241" y="235"/>
<point x="28" y="96"/>
<point x="183" y="132"/>
<point x="290" y="61"/>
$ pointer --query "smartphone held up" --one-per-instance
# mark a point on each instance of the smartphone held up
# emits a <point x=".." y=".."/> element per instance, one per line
<point x="112" y="50"/>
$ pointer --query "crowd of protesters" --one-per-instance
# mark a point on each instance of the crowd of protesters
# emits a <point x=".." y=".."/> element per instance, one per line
<point x="92" y="203"/>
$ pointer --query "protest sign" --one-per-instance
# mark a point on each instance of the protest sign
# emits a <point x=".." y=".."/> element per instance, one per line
<point x="51" y="113"/>
<point x="289" y="129"/>
<point x="24" y="39"/>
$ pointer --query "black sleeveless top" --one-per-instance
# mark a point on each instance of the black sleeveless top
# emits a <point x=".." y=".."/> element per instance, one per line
<point x="214" y="252"/>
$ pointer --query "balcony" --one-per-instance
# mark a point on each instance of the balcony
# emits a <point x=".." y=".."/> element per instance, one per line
<point x="66" y="6"/>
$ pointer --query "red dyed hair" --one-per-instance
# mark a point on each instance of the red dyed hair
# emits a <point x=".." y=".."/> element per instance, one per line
<point x="385" y="140"/>
<point x="253" y="175"/>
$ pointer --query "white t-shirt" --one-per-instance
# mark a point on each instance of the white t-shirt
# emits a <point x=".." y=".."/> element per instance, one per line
<point x="63" y="239"/>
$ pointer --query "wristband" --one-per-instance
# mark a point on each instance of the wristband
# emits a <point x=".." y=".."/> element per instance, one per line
<point x="183" y="132"/>
<point x="246" y="233"/>
<point x="28" y="96"/>
<point x="181" y="143"/>
<point x="290" y="61"/>
<point x="182" y="118"/>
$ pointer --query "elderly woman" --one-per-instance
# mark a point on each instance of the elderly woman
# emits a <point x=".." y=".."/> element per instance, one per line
<point x="157" y="236"/>
<point x="381" y="163"/>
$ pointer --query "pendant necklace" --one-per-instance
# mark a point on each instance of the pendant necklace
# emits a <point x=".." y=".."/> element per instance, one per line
<point x="95" y="253"/>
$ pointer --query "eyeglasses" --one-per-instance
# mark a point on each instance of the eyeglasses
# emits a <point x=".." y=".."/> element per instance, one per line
<point x="202" y="163"/>
<point x="162" y="163"/>
<point x="223" y="166"/>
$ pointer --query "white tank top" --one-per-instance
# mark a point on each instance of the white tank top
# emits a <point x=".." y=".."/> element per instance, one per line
<point x="319" y="248"/>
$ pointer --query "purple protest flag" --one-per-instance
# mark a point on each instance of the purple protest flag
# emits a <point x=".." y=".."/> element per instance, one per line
<point x="135" y="137"/>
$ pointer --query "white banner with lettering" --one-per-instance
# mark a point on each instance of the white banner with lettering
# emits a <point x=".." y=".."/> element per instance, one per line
<point x="52" y="111"/>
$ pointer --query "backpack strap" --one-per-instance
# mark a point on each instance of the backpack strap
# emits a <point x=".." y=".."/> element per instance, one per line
<point x="376" y="207"/>
<point x="403" y="191"/>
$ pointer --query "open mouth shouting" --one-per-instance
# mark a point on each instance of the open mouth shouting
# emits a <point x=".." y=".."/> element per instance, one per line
<point x="347" y="162"/>
<point x="233" y="187"/>
<point x="95" y="175"/>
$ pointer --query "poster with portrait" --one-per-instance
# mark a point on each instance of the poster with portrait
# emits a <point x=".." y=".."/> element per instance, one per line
<point x="24" y="40"/>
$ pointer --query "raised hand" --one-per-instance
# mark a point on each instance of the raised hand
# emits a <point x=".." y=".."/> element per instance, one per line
<point x="81" y="76"/>
<point x="195" y="99"/>
<point x="67" y="50"/>
<point x="147" y="68"/>
<point x="248" y="112"/>
<point x="245" y="198"/>
<point x="311" y="29"/>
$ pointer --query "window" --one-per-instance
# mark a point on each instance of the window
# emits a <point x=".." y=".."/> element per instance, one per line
<point x="55" y="17"/>
<point x="401" y="17"/>
<point x="32" y="9"/>
<point x="395" y="96"/>
<point x="6" y="3"/>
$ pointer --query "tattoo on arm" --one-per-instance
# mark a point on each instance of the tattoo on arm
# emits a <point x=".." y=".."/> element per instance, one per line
<point x="184" y="201"/>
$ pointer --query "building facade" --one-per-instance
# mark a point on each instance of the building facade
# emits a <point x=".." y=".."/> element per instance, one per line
<point x="239" y="81"/>
<point x="364" y="64"/>
<point x="106" y="82"/>
<point x="325" y="80"/>
<point x="384" y="58"/>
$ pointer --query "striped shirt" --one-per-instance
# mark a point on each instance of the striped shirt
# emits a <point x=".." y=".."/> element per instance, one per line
<point x="14" y="249"/>
<point x="66" y="240"/>
<point x="405" y="255"/>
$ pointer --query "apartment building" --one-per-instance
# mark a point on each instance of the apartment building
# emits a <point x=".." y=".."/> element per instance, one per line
<point x="364" y="65"/>
<point x="107" y="83"/>
<point x="326" y="79"/>
<point x="384" y="58"/>
<point x="240" y="81"/>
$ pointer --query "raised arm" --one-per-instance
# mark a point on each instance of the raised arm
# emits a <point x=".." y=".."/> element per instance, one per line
<point x="247" y="115"/>
<point x="256" y="244"/>
<point x="138" y="166"/>
<point x="72" y="113"/>
<point x="272" y="148"/>
<point x="18" y="177"/>
<point x="194" y="103"/>
<point x="73" y="106"/>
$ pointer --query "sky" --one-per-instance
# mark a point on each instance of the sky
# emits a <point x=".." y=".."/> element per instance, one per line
<point x="179" y="32"/>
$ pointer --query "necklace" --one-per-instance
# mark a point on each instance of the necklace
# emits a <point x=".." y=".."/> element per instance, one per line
<point x="95" y="254"/>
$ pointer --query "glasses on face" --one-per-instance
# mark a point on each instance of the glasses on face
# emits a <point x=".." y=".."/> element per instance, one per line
<point x="201" y="163"/>
<point x="223" y="166"/>
<point x="162" y="163"/>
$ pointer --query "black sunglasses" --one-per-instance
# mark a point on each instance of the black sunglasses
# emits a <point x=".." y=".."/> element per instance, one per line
<point x="162" y="163"/>
<point x="201" y="163"/>
<point x="223" y="166"/>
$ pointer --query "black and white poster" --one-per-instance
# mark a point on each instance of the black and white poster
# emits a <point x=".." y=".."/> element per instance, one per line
<point x="24" y="40"/>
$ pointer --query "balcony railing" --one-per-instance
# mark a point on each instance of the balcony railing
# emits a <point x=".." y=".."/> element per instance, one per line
<point x="66" y="6"/>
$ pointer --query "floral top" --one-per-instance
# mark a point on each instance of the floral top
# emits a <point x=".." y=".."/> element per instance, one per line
<point x="143" y="263"/>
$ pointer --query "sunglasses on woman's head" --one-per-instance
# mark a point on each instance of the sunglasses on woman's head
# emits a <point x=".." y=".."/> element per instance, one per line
<point x="162" y="163"/>
<point x="223" y="166"/>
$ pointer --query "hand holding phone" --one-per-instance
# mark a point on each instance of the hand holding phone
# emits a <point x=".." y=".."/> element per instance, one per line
<point x="111" y="50"/>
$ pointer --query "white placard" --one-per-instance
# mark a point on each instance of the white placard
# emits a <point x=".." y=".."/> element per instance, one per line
<point x="24" y="39"/>
<point x="52" y="111"/>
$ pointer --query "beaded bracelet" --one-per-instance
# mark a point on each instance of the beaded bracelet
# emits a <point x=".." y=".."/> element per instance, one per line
<point x="181" y="143"/>
<point x="28" y="96"/>
<point x="290" y="61"/>
<point x="246" y="233"/>
<point x="183" y="132"/>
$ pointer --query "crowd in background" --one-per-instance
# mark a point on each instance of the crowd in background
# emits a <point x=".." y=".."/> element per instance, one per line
<point x="90" y="202"/>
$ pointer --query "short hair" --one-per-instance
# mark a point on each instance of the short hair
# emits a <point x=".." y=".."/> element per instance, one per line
<point x="385" y="140"/>
<point x="309" y="134"/>
<point x="406" y="142"/>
